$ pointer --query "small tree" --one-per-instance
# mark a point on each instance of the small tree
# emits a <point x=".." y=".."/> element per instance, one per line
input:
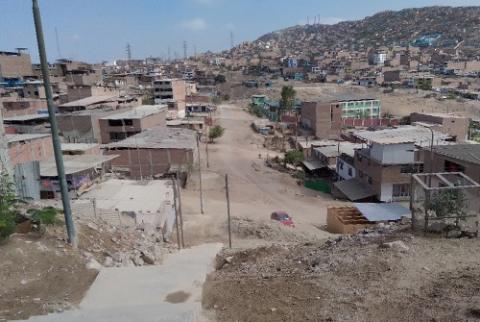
<point x="294" y="157"/>
<point x="219" y="79"/>
<point x="288" y="99"/>
<point x="215" y="132"/>
<point x="8" y="204"/>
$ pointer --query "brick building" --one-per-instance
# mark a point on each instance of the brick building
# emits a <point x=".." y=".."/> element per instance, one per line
<point x="173" y="93"/>
<point x="15" y="64"/>
<point x="323" y="119"/>
<point x="154" y="152"/>
<point x="24" y="148"/>
<point x="456" y="126"/>
<point x="119" y="126"/>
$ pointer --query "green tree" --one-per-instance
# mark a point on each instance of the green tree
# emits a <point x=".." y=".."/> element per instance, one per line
<point x="288" y="99"/>
<point x="215" y="132"/>
<point x="8" y="207"/>
<point x="294" y="157"/>
<point x="220" y="79"/>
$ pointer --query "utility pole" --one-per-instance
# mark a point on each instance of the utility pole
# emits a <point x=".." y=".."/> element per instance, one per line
<point x="54" y="127"/>
<point x="179" y="195"/>
<point x="5" y="164"/>
<point x="185" y="50"/>
<point x="200" y="174"/>
<point x="229" y="221"/>
<point x="169" y="54"/>
<point x="194" y="50"/>
<point x="206" y="153"/>
<point x="232" y="43"/>
<point x="177" y="224"/>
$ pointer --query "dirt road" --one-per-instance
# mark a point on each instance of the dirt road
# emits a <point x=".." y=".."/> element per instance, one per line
<point x="255" y="190"/>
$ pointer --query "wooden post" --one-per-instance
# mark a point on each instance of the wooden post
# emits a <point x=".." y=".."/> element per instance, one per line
<point x="200" y="175"/>
<point x="177" y="227"/>
<point x="229" y="224"/>
<point x="180" y="215"/>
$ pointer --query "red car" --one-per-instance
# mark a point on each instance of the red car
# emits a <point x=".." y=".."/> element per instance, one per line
<point x="283" y="218"/>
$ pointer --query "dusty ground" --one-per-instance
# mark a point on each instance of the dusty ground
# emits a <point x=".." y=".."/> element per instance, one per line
<point x="400" y="103"/>
<point x="255" y="190"/>
<point x="41" y="273"/>
<point x="353" y="279"/>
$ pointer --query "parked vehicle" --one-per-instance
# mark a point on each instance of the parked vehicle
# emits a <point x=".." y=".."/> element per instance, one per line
<point x="283" y="218"/>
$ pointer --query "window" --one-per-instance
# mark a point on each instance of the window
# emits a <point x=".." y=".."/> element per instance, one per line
<point x="401" y="190"/>
<point x="340" y="165"/>
<point x="127" y="122"/>
<point x="350" y="172"/>
<point x="411" y="168"/>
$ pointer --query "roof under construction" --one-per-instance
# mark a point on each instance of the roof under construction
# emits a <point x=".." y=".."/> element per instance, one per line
<point x="418" y="135"/>
<point x="138" y="112"/>
<point x="91" y="100"/>
<point x="159" y="138"/>
<point x="74" y="164"/>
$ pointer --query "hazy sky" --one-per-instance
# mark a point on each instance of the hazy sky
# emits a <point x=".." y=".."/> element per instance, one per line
<point x="96" y="30"/>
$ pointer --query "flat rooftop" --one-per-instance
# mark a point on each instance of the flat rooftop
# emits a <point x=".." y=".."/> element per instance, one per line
<point x="445" y="115"/>
<point x="138" y="112"/>
<point x="159" y="138"/>
<point x="91" y="100"/>
<point x="417" y="135"/>
<point x="78" y="146"/>
<point x="131" y="195"/>
<point x="14" y="138"/>
<point x="24" y="118"/>
<point x="74" y="164"/>
<point x="346" y="147"/>
<point x="327" y="98"/>
<point x="464" y="152"/>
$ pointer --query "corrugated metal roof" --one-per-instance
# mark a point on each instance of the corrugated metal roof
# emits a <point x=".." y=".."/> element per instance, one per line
<point x="313" y="164"/>
<point x="331" y="151"/>
<point x="418" y="135"/>
<point x="465" y="152"/>
<point x="13" y="138"/>
<point x="29" y="117"/>
<point x="74" y="164"/>
<point x="383" y="211"/>
<point x="138" y="112"/>
<point x="159" y="138"/>
<point x="354" y="189"/>
<point x="91" y="100"/>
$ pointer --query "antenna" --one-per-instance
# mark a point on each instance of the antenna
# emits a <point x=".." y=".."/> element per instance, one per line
<point x="308" y="20"/>
<point x="169" y="55"/>
<point x="59" y="52"/>
<point x="185" y="50"/>
<point x="195" y="50"/>
<point x="232" y="42"/>
<point x="129" y="52"/>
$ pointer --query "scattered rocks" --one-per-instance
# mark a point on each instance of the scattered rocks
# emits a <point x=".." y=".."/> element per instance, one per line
<point x="396" y="245"/>
<point x="93" y="264"/>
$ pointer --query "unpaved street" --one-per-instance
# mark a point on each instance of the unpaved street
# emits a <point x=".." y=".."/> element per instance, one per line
<point x="255" y="190"/>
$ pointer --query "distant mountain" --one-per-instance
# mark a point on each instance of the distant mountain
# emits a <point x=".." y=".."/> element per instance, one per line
<point x="440" y="26"/>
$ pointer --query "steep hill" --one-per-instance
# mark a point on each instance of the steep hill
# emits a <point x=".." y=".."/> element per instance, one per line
<point x="444" y="26"/>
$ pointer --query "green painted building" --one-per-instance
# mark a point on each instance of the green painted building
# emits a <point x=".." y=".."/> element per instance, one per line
<point x="360" y="108"/>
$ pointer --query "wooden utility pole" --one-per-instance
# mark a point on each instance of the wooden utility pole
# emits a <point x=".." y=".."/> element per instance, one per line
<point x="206" y="153"/>
<point x="180" y="214"/>
<point x="177" y="226"/>
<point x="229" y="223"/>
<point x="200" y="175"/>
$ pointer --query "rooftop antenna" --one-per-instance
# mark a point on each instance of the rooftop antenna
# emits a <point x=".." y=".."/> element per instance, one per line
<point x="169" y="54"/>
<point x="308" y="20"/>
<point x="232" y="42"/>
<point x="185" y="50"/>
<point x="59" y="52"/>
<point x="195" y="50"/>
<point x="314" y="20"/>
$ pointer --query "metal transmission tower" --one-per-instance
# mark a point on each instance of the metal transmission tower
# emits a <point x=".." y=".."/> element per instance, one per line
<point x="185" y="49"/>
<point x="59" y="52"/>
<point x="232" y="42"/>
<point x="54" y="127"/>
<point x="129" y="52"/>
